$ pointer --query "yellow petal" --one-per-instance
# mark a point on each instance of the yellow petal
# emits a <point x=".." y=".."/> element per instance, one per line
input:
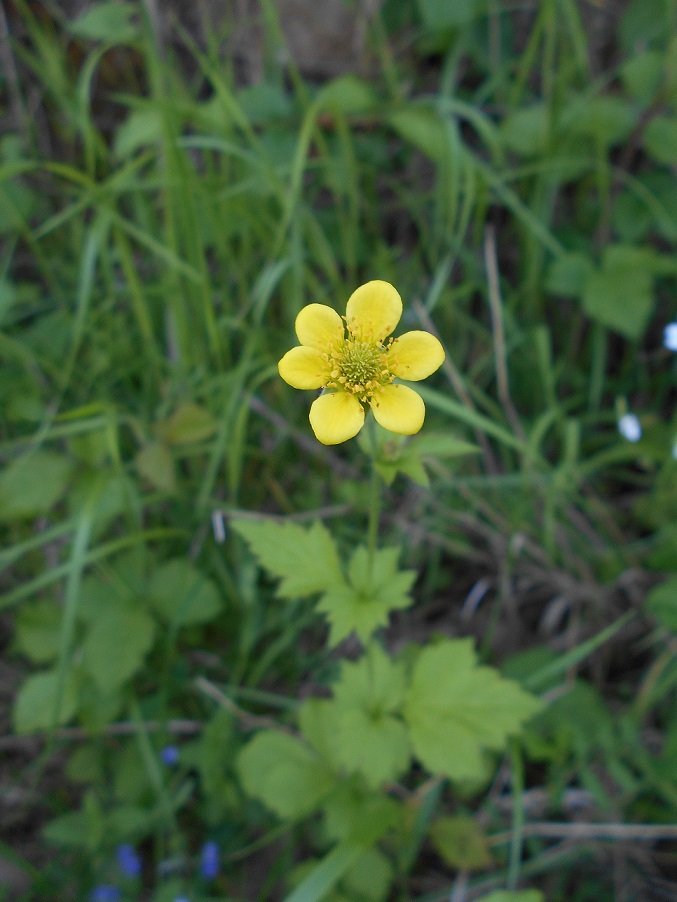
<point x="398" y="409"/>
<point x="373" y="310"/>
<point x="319" y="326"/>
<point x="336" y="417"/>
<point x="304" y="368"/>
<point x="415" y="355"/>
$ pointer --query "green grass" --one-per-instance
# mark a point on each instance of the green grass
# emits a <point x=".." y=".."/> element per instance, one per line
<point x="163" y="223"/>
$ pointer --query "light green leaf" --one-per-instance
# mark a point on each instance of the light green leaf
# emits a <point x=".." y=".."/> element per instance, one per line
<point x="620" y="295"/>
<point x="642" y="75"/>
<point x="347" y="94"/>
<point x="353" y="810"/>
<point x="183" y="595"/>
<point x="141" y="128"/>
<point x="155" y="463"/>
<point x="304" y="559"/>
<point x="116" y="645"/>
<point x="460" y="842"/>
<point x="284" y="774"/>
<point x="662" y="602"/>
<point x="365" y="604"/>
<point x="456" y="710"/>
<point x="37" y="630"/>
<point x="32" y="484"/>
<point x="441" y="14"/>
<point x="189" y="424"/>
<point x="369" y="740"/>
<point x="369" y="878"/>
<point x="423" y="128"/>
<point x="109" y="21"/>
<point x="35" y="707"/>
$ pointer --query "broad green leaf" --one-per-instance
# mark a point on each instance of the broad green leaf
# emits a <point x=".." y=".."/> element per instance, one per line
<point x="369" y="739"/>
<point x="32" y="484"/>
<point x="110" y="21"/>
<point x="660" y="140"/>
<point x="423" y="128"/>
<point x="353" y="810"/>
<point x="461" y="843"/>
<point x="189" y="424"/>
<point x="183" y="595"/>
<point x="35" y="706"/>
<point x="82" y="829"/>
<point x="620" y="295"/>
<point x="303" y="558"/>
<point x="155" y="463"/>
<point x="642" y="75"/>
<point x="369" y="878"/>
<point x="526" y="131"/>
<point x="141" y="128"/>
<point x="116" y="645"/>
<point x="347" y="94"/>
<point x="37" y="630"/>
<point x="284" y="774"/>
<point x="567" y="274"/>
<point x="456" y="709"/>
<point x="662" y="602"/>
<point x="365" y="603"/>
<point x="606" y="119"/>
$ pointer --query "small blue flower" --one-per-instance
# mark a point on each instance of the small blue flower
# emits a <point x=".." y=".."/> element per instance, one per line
<point x="630" y="427"/>
<point x="670" y="336"/>
<point x="170" y="755"/>
<point x="105" y="892"/>
<point x="209" y="860"/>
<point x="128" y="861"/>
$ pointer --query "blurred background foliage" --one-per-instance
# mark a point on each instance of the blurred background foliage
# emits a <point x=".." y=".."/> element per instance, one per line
<point x="175" y="183"/>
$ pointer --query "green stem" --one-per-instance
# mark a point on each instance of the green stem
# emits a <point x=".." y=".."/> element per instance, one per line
<point x="374" y="497"/>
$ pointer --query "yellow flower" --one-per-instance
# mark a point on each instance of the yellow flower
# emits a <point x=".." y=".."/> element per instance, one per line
<point x="356" y="363"/>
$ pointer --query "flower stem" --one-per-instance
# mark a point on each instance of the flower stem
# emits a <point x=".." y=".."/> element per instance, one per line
<point x="374" y="497"/>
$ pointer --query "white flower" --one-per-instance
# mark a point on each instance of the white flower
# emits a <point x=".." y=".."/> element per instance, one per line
<point x="670" y="336"/>
<point x="630" y="427"/>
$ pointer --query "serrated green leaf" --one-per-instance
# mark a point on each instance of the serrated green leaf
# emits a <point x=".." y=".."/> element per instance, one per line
<point x="116" y="645"/>
<point x="303" y="558"/>
<point x="662" y="602"/>
<point x="35" y="706"/>
<point x="37" y="630"/>
<point x="456" y="710"/>
<point x="32" y="484"/>
<point x="352" y="810"/>
<point x="365" y="603"/>
<point x="460" y="842"/>
<point x="369" y="878"/>
<point x="369" y="740"/>
<point x="284" y="774"/>
<point x="181" y="594"/>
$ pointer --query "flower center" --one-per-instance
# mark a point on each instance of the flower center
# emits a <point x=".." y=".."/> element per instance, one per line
<point x="359" y="367"/>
